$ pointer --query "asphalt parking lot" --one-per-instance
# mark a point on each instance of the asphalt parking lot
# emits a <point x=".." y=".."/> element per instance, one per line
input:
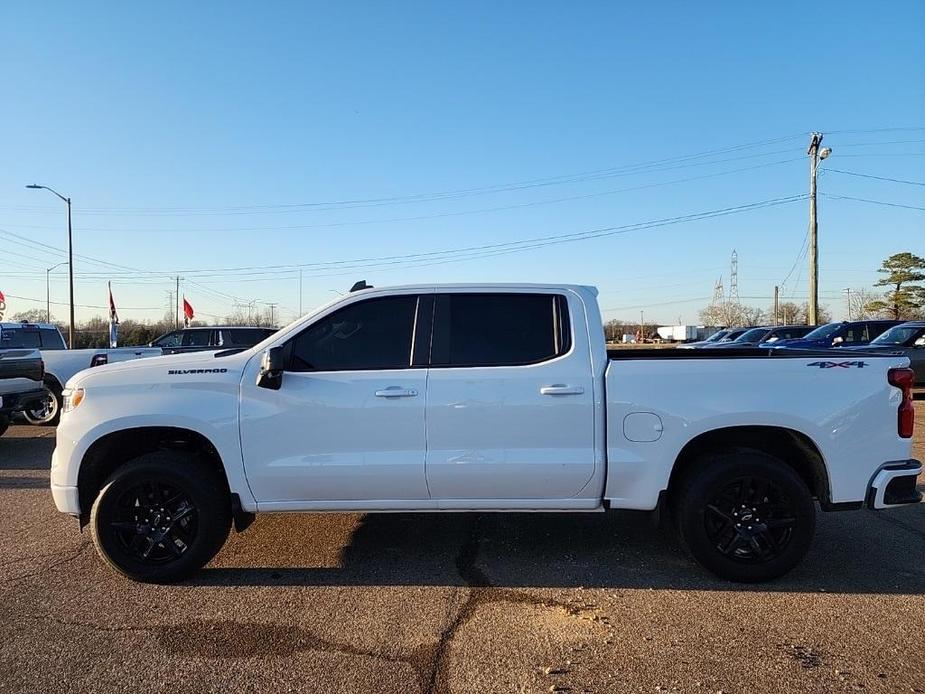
<point x="454" y="603"/>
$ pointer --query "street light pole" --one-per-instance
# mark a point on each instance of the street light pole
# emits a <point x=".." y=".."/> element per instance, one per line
<point x="70" y="259"/>
<point x="48" y="291"/>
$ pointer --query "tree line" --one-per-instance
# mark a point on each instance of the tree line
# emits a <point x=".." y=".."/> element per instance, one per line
<point x="904" y="300"/>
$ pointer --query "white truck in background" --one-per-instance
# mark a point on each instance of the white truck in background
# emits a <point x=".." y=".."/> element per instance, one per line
<point x="61" y="363"/>
<point x="487" y="397"/>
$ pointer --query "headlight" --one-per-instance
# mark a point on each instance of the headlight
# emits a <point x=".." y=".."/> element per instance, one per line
<point x="71" y="397"/>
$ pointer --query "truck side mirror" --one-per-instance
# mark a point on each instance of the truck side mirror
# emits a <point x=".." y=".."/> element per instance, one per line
<point x="920" y="342"/>
<point x="838" y="340"/>
<point x="271" y="369"/>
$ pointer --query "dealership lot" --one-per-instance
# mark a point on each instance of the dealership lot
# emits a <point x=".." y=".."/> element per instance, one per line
<point x="454" y="603"/>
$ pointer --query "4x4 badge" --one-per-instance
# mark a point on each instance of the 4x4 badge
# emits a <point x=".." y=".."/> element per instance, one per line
<point x="840" y="364"/>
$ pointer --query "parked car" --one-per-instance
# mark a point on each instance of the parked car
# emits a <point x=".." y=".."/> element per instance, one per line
<point x="21" y="373"/>
<point x="839" y="334"/>
<point x="906" y="338"/>
<point x="61" y="363"/>
<point x="720" y="336"/>
<point x="476" y="398"/>
<point x="765" y="336"/>
<point x="211" y="338"/>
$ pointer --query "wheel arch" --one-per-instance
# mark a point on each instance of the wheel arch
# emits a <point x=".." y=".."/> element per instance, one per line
<point x="789" y="445"/>
<point x="112" y="450"/>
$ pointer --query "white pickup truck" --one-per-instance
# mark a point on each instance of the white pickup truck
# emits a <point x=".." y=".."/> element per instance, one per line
<point x="479" y="398"/>
<point x="60" y="362"/>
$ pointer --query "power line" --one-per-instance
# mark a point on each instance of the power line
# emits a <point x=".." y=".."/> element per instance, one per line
<point x="626" y="169"/>
<point x="471" y="252"/>
<point x="535" y="203"/>
<point x="879" y="178"/>
<point x="872" y="202"/>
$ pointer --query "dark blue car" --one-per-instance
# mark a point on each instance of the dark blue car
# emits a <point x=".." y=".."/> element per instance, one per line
<point x="839" y="334"/>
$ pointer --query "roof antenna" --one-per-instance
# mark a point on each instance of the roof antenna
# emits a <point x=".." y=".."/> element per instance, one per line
<point x="357" y="286"/>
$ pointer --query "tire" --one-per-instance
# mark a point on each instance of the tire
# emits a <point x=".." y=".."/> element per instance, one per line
<point x="745" y="516"/>
<point x="4" y="424"/>
<point x="49" y="412"/>
<point x="161" y="517"/>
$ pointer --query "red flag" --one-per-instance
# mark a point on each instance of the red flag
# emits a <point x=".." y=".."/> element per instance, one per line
<point x="188" y="309"/>
<point x="113" y="316"/>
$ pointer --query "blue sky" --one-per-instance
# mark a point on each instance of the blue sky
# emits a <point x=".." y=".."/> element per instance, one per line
<point x="199" y="138"/>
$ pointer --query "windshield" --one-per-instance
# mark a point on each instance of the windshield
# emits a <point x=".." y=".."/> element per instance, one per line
<point x="717" y="336"/>
<point x="753" y="335"/>
<point x="824" y="331"/>
<point x="899" y="335"/>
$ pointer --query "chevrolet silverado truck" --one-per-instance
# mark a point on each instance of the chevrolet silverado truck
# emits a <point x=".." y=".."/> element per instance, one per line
<point x="21" y="373"/>
<point x="60" y="363"/>
<point x="487" y="397"/>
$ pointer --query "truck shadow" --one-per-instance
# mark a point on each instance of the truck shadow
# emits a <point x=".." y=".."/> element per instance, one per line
<point x="861" y="552"/>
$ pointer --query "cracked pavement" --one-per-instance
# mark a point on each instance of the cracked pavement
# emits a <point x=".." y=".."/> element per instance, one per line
<point x="454" y="603"/>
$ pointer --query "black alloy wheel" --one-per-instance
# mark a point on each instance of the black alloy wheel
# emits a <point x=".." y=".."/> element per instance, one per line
<point x="744" y="515"/>
<point x="154" y="521"/>
<point x="161" y="517"/>
<point x="750" y="520"/>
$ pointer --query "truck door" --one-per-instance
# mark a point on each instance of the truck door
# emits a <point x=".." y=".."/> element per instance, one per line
<point x="347" y="423"/>
<point x="510" y="398"/>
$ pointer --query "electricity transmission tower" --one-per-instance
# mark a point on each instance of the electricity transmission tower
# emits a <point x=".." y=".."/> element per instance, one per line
<point x="734" y="278"/>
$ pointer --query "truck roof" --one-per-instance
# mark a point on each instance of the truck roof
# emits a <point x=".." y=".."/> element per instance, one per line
<point x="486" y="286"/>
<point x="27" y="324"/>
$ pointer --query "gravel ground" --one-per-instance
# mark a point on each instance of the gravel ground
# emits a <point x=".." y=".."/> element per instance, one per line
<point x="454" y="603"/>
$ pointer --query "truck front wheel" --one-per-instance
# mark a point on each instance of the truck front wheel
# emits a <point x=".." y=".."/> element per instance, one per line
<point x="161" y="517"/>
<point x="746" y="516"/>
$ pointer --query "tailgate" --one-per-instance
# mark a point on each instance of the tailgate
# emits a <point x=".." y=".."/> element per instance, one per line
<point x="21" y="363"/>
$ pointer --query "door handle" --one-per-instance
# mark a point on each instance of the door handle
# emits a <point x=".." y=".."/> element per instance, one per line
<point x="559" y="389"/>
<point x="396" y="392"/>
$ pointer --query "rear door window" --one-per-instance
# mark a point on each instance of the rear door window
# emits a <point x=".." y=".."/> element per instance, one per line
<point x="51" y="339"/>
<point x="196" y="338"/>
<point x="242" y="337"/>
<point x="875" y="329"/>
<point x="499" y="329"/>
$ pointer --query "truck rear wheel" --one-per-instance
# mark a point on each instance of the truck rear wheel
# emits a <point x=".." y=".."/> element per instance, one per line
<point x="746" y="516"/>
<point x="161" y="517"/>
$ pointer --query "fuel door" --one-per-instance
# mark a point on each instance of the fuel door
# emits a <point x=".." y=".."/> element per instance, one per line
<point x="642" y="427"/>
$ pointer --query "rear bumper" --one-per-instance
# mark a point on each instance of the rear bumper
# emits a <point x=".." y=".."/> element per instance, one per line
<point x="16" y="402"/>
<point x="894" y="484"/>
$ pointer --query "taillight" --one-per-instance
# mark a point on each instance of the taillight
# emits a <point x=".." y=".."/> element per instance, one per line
<point x="904" y="379"/>
<point x="99" y="360"/>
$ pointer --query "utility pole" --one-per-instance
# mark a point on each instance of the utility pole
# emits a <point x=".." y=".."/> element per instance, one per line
<point x="847" y="291"/>
<point x="815" y="156"/>
<point x="776" y="305"/>
<point x="272" y="315"/>
<point x="642" y="328"/>
<point x="177" y="321"/>
<point x="300" y="292"/>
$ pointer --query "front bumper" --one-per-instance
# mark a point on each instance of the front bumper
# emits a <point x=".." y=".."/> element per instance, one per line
<point x="894" y="485"/>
